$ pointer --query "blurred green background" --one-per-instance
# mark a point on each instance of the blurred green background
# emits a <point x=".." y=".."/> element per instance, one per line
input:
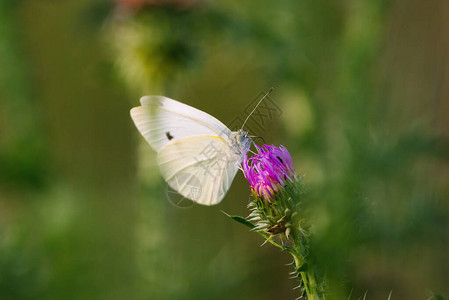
<point x="363" y="87"/>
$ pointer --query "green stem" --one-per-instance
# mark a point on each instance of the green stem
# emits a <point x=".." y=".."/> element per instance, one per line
<point x="305" y="271"/>
<point x="299" y="253"/>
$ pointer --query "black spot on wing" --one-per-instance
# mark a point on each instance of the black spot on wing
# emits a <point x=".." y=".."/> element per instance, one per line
<point x="169" y="136"/>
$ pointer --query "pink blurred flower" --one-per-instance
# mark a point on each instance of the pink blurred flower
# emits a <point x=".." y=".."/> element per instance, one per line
<point x="138" y="4"/>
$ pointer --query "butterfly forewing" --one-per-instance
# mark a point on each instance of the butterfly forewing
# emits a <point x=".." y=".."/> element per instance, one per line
<point x="162" y="120"/>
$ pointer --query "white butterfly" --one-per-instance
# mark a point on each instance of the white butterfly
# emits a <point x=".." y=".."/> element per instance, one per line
<point x="198" y="155"/>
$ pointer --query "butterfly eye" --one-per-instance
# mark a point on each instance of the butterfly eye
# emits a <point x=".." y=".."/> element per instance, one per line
<point x="243" y="138"/>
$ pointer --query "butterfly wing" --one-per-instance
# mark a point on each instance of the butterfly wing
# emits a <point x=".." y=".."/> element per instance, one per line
<point x="162" y="120"/>
<point x="200" y="167"/>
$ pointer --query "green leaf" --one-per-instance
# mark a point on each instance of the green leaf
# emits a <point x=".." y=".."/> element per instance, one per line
<point x="241" y="220"/>
<point x="438" y="297"/>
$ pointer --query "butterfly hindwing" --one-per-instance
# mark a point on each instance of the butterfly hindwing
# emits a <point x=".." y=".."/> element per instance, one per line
<point x="200" y="167"/>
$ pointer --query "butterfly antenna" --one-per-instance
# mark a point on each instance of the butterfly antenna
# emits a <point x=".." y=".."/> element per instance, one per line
<point x="257" y="105"/>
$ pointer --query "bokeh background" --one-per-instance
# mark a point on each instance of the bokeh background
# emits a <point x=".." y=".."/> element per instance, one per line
<point x="363" y="89"/>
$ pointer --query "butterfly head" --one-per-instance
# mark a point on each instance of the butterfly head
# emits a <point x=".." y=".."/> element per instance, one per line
<point x="241" y="142"/>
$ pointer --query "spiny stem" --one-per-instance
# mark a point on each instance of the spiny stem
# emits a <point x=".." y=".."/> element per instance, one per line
<point x="308" y="274"/>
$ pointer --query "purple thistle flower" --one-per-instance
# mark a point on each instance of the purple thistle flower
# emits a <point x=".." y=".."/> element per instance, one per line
<point x="269" y="170"/>
<point x="277" y="211"/>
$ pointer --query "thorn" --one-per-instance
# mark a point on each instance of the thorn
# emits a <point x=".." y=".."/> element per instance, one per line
<point x="225" y="213"/>
<point x="350" y="294"/>
<point x="389" y="296"/>
<point x="266" y="241"/>
<point x="259" y="228"/>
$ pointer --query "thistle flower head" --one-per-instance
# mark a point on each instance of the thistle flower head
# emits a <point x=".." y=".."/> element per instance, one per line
<point x="276" y="211"/>
<point x="269" y="170"/>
